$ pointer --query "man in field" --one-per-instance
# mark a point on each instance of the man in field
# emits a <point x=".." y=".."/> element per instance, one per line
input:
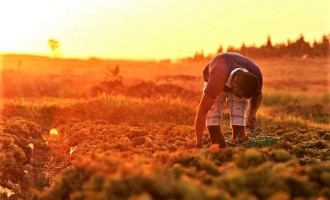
<point x="238" y="80"/>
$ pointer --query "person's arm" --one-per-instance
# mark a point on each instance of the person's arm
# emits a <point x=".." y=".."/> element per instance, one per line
<point x="204" y="106"/>
<point x="216" y="80"/>
<point x="254" y="106"/>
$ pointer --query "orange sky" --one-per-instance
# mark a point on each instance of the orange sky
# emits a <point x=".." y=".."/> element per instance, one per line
<point x="149" y="29"/>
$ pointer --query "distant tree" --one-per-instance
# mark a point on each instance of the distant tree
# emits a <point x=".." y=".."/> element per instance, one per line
<point x="299" y="47"/>
<point x="269" y="42"/>
<point x="279" y="50"/>
<point x="243" y="50"/>
<point x="253" y="51"/>
<point x="113" y="72"/>
<point x="231" y="49"/>
<point x="199" y="56"/>
<point x="321" y="48"/>
<point x="220" y="49"/>
<point x="267" y="50"/>
<point x="54" y="46"/>
<point x="294" y="48"/>
<point x="315" y="49"/>
<point x="325" y="45"/>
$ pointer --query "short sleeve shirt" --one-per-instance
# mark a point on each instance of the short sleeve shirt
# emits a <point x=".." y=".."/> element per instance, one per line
<point x="217" y="72"/>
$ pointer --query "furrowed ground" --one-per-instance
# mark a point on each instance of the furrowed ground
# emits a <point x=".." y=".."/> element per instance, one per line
<point x="72" y="129"/>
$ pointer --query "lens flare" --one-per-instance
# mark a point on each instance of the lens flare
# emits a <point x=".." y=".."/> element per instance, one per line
<point x="72" y="149"/>
<point x="53" y="131"/>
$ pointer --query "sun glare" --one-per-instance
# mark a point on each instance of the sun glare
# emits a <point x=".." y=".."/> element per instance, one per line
<point x="53" y="131"/>
<point x="72" y="149"/>
<point x="28" y="24"/>
<point x="165" y="29"/>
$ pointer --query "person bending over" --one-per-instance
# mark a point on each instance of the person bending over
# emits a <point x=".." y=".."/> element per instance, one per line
<point x="237" y="80"/>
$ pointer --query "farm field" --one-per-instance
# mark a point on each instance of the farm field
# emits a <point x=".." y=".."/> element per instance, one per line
<point x="80" y="129"/>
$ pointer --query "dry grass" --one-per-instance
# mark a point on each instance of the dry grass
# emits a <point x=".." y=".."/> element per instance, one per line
<point x="283" y="74"/>
<point x="132" y="136"/>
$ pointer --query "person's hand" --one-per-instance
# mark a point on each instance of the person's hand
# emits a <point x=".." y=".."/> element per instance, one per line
<point x="252" y="122"/>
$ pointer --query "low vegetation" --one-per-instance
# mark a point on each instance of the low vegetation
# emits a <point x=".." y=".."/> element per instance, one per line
<point x="134" y="139"/>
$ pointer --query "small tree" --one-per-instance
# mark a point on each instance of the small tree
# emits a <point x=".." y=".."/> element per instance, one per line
<point x="114" y="72"/>
<point x="269" y="43"/>
<point x="54" y="46"/>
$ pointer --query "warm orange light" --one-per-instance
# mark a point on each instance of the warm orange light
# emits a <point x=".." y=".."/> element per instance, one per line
<point x="31" y="145"/>
<point x="7" y="191"/>
<point x="214" y="148"/>
<point x="130" y="29"/>
<point x="53" y="131"/>
<point x="72" y="149"/>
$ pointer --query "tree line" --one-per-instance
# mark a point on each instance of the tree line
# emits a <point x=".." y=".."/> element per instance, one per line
<point x="297" y="48"/>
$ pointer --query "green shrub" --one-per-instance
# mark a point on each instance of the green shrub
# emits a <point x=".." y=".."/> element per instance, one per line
<point x="280" y="155"/>
<point x="250" y="158"/>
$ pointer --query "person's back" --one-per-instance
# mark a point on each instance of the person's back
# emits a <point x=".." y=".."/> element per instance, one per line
<point x="232" y="61"/>
<point x="229" y="62"/>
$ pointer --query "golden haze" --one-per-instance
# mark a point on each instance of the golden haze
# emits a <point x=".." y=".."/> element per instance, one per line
<point x="135" y="29"/>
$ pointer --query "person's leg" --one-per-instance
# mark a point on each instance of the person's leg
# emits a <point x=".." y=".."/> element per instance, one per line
<point x="238" y="112"/>
<point x="213" y="119"/>
<point x="216" y="136"/>
<point x="238" y="132"/>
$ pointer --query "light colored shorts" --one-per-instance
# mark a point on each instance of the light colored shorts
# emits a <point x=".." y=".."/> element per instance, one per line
<point x="237" y="109"/>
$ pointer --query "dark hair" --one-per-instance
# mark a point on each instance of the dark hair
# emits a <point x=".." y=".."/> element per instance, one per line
<point x="248" y="83"/>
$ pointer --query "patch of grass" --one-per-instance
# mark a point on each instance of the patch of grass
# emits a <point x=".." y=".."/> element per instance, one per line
<point x="279" y="99"/>
<point x="307" y="112"/>
<point x="114" y="109"/>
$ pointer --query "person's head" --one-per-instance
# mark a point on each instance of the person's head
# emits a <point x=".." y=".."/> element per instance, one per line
<point x="244" y="84"/>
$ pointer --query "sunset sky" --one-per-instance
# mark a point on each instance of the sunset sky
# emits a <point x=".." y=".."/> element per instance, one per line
<point x="149" y="29"/>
